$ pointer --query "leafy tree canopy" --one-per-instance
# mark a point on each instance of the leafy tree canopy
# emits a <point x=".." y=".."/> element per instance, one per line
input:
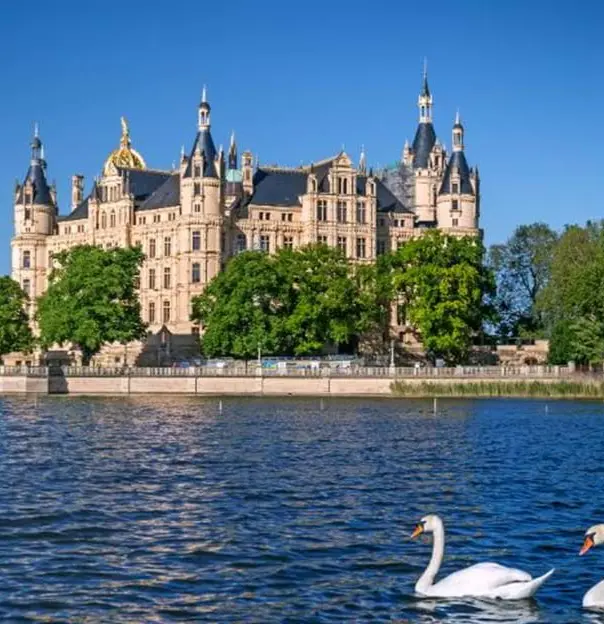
<point x="91" y="299"/>
<point x="15" y="332"/>
<point x="522" y="268"/>
<point x="444" y="285"/>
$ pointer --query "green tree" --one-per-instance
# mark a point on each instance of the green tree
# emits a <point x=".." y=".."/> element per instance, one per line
<point x="15" y="332"/>
<point x="445" y="286"/>
<point x="91" y="299"/>
<point x="522" y="269"/>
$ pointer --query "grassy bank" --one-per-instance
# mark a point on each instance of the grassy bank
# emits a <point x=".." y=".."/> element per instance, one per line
<point x="556" y="389"/>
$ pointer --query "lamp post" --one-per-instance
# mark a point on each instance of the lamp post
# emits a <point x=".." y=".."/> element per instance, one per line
<point x="392" y="353"/>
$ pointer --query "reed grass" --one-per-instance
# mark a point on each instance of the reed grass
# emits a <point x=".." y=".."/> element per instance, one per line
<point x="555" y="389"/>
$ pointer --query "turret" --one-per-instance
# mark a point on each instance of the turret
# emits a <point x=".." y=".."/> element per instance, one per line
<point x="457" y="205"/>
<point x="77" y="190"/>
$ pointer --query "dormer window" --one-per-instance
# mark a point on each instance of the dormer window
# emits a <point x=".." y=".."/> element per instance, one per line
<point x="196" y="171"/>
<point x="27" y="197"/>
<point x="455" y="188"/>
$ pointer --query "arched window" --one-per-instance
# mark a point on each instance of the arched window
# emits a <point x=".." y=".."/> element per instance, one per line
<point x="195" y="273"/>
<point x="112" y="219"/>
<point x="166" y="316"/>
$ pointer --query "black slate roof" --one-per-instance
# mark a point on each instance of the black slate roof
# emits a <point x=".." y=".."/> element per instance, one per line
<point x="168" y="194"/>
<point x="41" y="190"/>
<point x="425" y="138"/>
<point x="457" y="161"/>
<point x="206" y="146"/>
<point x="278" y="187"/>
<point x="387" y="201"/>
<point x="80" y="212"/>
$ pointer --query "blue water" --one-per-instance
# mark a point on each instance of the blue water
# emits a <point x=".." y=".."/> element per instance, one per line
<point x="165" y="510"/>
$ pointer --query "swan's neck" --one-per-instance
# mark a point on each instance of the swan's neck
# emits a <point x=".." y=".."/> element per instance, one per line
<point x="426" y="580"/>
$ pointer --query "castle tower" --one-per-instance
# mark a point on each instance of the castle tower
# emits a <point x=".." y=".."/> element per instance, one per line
<point x="425" y="157"/>
<point x="457" y="206"/>
<point x="234" y="176"/>
<point x="35" y="213"/>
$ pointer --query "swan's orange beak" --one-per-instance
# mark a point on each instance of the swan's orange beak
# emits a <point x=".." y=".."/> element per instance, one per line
<point x="587" y="544"/>
<point x="419" y="529"/>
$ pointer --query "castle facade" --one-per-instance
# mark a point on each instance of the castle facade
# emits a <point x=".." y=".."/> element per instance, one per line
<point x="191" y="219"/>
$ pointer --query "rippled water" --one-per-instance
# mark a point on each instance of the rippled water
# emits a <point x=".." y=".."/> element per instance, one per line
<point x="165" y="510"/>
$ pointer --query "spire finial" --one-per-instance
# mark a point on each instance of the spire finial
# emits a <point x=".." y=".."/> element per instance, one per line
<point x="425" y="68"/>
<point x="363" y="160"/>
<point x="457" y="120"/>
<point x="182" y="152"/>
<point x="36" y="130"/>
<point x="204" y="97"/>
<point x="232" y="144"/>
<point x="125" y="139"/>
<point x="42" y="152"/>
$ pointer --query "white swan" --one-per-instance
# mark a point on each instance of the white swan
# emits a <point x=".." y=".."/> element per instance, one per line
<point x="483" y="580"/>
<point x="594" y="536"/>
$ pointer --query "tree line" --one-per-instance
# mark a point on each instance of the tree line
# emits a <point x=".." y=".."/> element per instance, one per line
<point x="449" y="292"/>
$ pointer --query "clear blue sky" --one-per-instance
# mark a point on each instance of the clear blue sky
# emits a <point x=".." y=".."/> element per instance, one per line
<point x="297" y="80"/>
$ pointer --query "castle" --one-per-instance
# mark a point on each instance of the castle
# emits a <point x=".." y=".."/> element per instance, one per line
<point x="190" y="220"/>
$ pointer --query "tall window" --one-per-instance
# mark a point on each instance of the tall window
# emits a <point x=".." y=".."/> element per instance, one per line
<point x="455" y="205"/>
<point x="112" y="219"/>
<point x="195" y="273"/>
<point x="455" y="222"/>
<point x="26" y="259"/>
<point x="288" y="242"/>
<point x="265" y="243"/>
<point x="455" y="188"/>
<point x="196" y="240"/>
<point x="27" y="287"/>
<point x="167" y="278"/>
<point x="322" y="240"/>
<point x="196" y="188"/>
<point x="341" y="215"/>
<point x="241" y="243"/>
<point x="196" y="171"/>
<point x="166" y="316"/>
<point x="361" y="213"/>
<point x="343" y="186"/>
<point x="167" y="246"/>
<point x="151" y="248"/>
<point x="361" y="247"/>
<point x="152" y="312"/>
<point x="103" y="220"/>
<point x="197" y="208"/>
<point x="381" y="247"/>
<point x="322" y="210"/>
<point x="342" y="244"/>
<point x="151" y="279"/>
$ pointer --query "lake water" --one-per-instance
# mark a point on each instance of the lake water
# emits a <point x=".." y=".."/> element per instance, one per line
<point x="166" y="510"/>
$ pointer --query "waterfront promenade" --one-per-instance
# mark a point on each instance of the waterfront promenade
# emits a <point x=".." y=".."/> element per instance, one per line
<point x="253" y="380"/>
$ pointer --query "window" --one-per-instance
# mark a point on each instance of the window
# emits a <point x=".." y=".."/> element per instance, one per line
<point x="342" y="244"/>
<point x="197" y="208"/>
<point x="265" y="244"/>
<point x="27" y="198"/>
<point x="401" y="314"/>
<point x="322" y="240"/>
<point x="151" y="248"/>
<point x="167" y="246"/>
<point x="455" y="222"/>
<point x="152" y="312"/>
<point x="267" y="216"/>
<point x="455" y="188"/>
<point x="137" y="243"/>
<point x="195" y="330"/>
<point x="361" y="247"/>
<point x="26" y="259"/>
<point x="103" y="220"/>
<point x="151" y="279"/>
<point x="26" y="287"/>
<point x="241" y="243"/>
<point x="196" y="188"/>
<point x="322" y="210"/>
<point x="50" y="259"/>
<point x="361" y="213"/>
<point x="167" y="278"/>
<point x="341" y="215"/>
<point x="196" y="273"/>
<point x="27" y="214"/>
<point x="112" y="219"/>
<point x="455" y="205"/>
<point x="381" y="247"/>
<point x="342" y="186"/>
<point x="196" y="171"/>
<point x="166" y="317"/>
<point x="288" y="242"/>
<point x="196" y="240"/>
<point x="290" y="216"/>
<point x="137" y="282"/>
<point x="381" y="222"/>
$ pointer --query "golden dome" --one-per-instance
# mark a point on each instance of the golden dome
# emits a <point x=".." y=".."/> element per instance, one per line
<point x="125" y="156"/>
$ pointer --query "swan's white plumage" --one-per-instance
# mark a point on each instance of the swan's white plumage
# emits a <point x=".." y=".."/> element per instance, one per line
<point x="594" y="598"/>
<point x="483" y="580"/>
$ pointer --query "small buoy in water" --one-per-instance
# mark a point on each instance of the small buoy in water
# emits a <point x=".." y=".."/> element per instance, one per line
<point x="220" y="406"/>
<point x="435" y="407"/>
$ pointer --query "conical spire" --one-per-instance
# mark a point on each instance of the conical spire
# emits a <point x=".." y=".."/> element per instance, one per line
<point x="424" y="102"/>
<point x="233" y="152"/>
<point x="204" y="111"/>
<point x="36" y="176"/>
<point x="425" y="88"/>
<point x="457" y="134"/>
<point x="363" y="161"/>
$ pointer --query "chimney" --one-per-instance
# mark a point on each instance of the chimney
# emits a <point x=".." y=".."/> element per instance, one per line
<point x="77" y="191"/>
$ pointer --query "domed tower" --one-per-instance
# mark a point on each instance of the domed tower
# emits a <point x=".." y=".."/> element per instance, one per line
<point x="425" y="157"/>
<point x="35" y="213"/>
<point x="458" y="197"/>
